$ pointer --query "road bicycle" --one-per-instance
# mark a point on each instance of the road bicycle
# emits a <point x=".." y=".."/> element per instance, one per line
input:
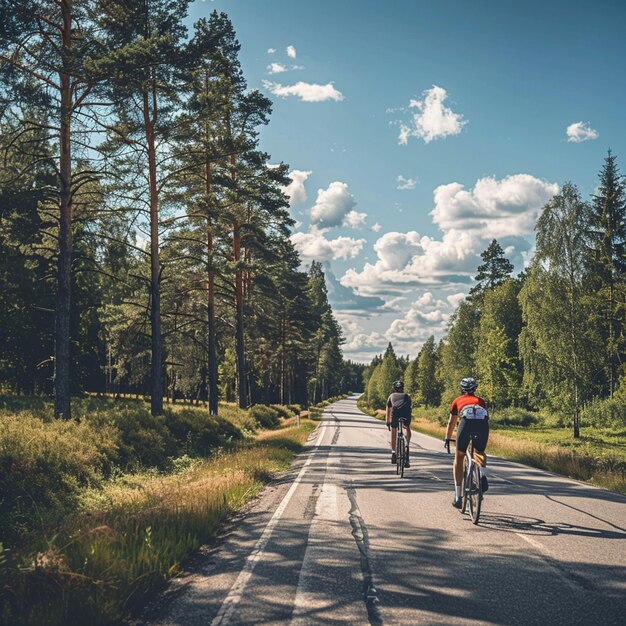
<point x="402" y="447"/>
<point x="472" y="489"/>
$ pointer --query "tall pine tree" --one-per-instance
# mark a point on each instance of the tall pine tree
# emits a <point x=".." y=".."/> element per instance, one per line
<point x="45" y="52"/>
<point x="607" y="243"/>
<point x="143" y="65"/>
<point x="493" y="271"/>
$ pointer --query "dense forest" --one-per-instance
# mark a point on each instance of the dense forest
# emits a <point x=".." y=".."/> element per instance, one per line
<point x="552" y="338"/>
<point x="144" y="235"/>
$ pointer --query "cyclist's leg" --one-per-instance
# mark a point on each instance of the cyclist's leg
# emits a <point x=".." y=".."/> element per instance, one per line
<point x="462" y="441"/>
<point x="394" y="436"/>
<point x="458" y="470"/>
<point x="480" y="457"/>
<point x="407" y="434"/>
<point x="481" y="428"/>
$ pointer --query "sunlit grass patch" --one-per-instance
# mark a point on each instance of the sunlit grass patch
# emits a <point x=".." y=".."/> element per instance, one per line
<point x="132" y="534"/>
<point x="602" y="465"/>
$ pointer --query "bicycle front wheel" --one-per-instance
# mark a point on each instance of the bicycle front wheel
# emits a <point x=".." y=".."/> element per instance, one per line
<point x="400" y="456"/>
<point x="475" y="493"/>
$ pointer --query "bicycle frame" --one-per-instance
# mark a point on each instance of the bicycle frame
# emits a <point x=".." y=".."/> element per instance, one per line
<point x="402" y="445"/>
<point x="472" y="492"/>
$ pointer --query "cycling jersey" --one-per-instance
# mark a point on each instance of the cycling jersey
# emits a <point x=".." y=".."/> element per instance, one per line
<point x="401" y="402"/>
<point x="474" y="419"/>
<point x="469" y="406"/>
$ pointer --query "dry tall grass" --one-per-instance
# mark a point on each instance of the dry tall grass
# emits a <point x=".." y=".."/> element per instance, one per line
<point x="595" y="468"/>
<point x="132" y="535"/>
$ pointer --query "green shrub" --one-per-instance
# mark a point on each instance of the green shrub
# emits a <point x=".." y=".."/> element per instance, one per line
<point x="37" y="406"/>
<point x="45" y="463"/>
<point x="295" y="408"/>
<point x="43" y="467"/>
<point x="282" y="410"/>
<point x="266" y="416"/>
<point x="315" y="413"/>
<point x="604" y="412"/>
<point x="239" y="417"/>
<point x="432" y="414"/>
<point x="196" y="433"/>
<point x="144" y="441"/>
<point x="514" y="416"/>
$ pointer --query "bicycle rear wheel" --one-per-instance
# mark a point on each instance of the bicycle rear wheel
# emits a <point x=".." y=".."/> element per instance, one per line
<point x="400" y="460"/>
<point x="475" y="493"/>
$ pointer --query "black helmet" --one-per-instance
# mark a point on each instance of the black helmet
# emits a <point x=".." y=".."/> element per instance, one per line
<point x="398" y="385"/>
<point x="468" y="385"/>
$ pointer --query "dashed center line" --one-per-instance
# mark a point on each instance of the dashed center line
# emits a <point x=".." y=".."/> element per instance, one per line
<point x="233" y="598"/>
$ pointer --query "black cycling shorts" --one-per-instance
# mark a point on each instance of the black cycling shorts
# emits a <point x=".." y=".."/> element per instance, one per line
<point x="394" y="421"/>
<point x="466" y="428"/>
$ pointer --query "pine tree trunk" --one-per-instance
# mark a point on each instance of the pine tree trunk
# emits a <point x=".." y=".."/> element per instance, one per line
<point x="239" y="332"/>
<point x="212" y="338"/>
<point x="240" y="352"/>
<point x="64" y="275"/>
<point x="212" y="355"/>
<point x="156" y="378"/>
<point x="283" y="373"/>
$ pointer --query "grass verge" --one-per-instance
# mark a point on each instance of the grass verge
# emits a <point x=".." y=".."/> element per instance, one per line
<point x="131" y="535"/>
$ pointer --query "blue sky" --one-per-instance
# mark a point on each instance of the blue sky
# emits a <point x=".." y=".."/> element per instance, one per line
<point x="469" y="102"/>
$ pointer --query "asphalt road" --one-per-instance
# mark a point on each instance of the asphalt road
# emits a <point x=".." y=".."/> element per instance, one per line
<point x="340" y="539"/>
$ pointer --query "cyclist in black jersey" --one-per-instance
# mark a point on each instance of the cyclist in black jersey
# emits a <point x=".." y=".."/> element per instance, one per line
<point x="399" y="405"/>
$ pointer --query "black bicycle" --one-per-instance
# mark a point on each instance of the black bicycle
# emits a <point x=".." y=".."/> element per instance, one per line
<point x="402" y="446"/>
<point x="472" y="490"/>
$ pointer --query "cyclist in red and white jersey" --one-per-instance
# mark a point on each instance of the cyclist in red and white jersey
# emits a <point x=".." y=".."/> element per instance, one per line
<point x="471" y="413"/>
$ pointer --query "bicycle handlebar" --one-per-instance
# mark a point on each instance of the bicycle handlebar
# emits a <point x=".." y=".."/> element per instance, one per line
<point x="447" y="444"/>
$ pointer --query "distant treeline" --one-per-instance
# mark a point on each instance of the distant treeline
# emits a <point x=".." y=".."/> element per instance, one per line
<point x="552" y="338"/>
<point x="144" y="236"/>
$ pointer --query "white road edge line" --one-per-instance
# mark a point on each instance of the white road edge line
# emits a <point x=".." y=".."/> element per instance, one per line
<point x="547" y="558"/>
<point x="532" y="542"/>
<point x="326" y="505"/>
<point x="234" y="596"/>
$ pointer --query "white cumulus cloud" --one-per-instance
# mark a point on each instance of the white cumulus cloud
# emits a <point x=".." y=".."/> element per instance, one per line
<point x="364" y="341"/>
<point x="271" y="50"/>
<point x="376" y="227"/>
<point x="455" y="299"/>
<point x="307" y="92"/>
<point x="494" y="208"/>
<point x="314" y="246"/>
<point x="354" y="220"/>
<point x="405" y="183"/>
<point x="426" y="316"/>
<point x="332" y="205"/>
<point x="291" y="52"/>
<point x="295" y="190"/>
<point x="394" y="304"/>
<point x="505" y="209"/>
<point x="356" y="338"/>
<point x="581" y="131"/>
<point x="430" y="118"/>
<point x="276" y="68"/>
